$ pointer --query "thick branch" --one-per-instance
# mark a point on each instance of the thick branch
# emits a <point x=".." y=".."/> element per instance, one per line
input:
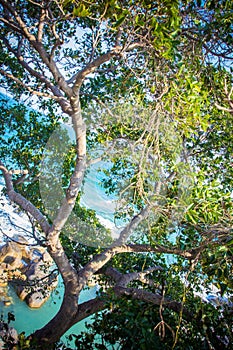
<point x="123" y="280"/>
<point x="68" y="202"/>
<point x="38" y="46"/>
<point x="76" y="179"/>
<point x="34" y="92"/>
<point x="101" y="259"/>
<point x="89" y="308"/>
<point x="155" y="299"/>
<point x="23" y="202"/>
<point x="136" y="220"/>
<point x="92" y="66"/>
<point x="41" y="25"/>
<point x="94" y="305"/>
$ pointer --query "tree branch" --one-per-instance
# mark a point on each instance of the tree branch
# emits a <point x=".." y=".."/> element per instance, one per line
<point x="228" y="98"/>
<point x="41" y="25"/>
<point x="92" y="66"/>
<point x="34" y="92"/>
<point x="153" y="298"/>
<point x="55" y="90"/>
<point x="38" y="46"/>
<point x="225" y="109"/>
<point x="10" y="25"/>
<point x="136" y="220"/>
<point x="22" y="201"/>
<point x="122" y="280"/>
<point x="89" y="308"/>
<point x="76" y="179"/>
<point x="101" y="259"/>
<point x="92" y="306"/>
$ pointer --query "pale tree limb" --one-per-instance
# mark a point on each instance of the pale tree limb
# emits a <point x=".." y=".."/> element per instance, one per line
<point x="228" y="99"/>
<point x="225" y="109"/>
<point x="122" y="280"/>
<point x="32" y="91"/>
<point x="10" y="25"/>
<point x="36" y="3"/>
<point x="57" y="94"/>
<point x="101" y="259"/>
<point x="91" y="67"/>
<point x="77" y="176"/>
<point x="21" y="24"/>
<point x="136" y="220"/>
<point x="22" y="201"/>
<point x="95" y="41"/>
<point x="41" y="25"/>
<point x="58" y="3"/>
<point x="80" y="131"/>
<point x="228" y="93"/>
<point x="38" y="46"/>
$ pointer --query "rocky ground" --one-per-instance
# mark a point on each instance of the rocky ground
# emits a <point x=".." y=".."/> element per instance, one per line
<point x="29" y="269"/>
<point x="23" y="262"/>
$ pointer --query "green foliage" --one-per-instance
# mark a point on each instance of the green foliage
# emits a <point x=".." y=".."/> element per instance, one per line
<point x="161" y="116"/>
<point x="132" y="325"/>
<point x="25" y="132"/>
<point x="210" y="205"/>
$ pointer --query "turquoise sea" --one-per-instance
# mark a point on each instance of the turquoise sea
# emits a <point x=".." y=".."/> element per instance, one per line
<point x="27" y="320"/>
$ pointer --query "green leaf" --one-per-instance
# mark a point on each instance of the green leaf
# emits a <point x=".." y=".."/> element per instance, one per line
<point x="81" y="11"/>
<point x="120" y="19"/>
<point x="223" y="288"/>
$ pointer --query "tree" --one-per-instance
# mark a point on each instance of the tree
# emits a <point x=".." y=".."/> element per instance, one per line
<point x="146" y="85"/>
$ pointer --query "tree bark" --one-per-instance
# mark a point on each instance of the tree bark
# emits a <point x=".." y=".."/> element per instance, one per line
<point x="66" y="315"/>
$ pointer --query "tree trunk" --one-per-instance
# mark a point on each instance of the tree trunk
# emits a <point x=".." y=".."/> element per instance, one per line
<point x="67" y="313"/>
<point x="62" y="321"/>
